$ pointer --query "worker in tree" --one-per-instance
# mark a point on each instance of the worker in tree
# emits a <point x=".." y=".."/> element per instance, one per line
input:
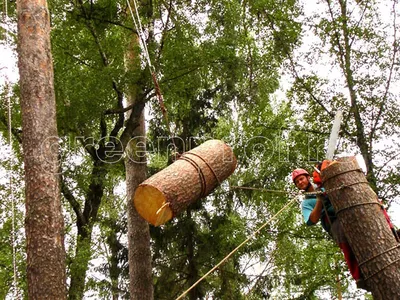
<point x="317" y="207"/>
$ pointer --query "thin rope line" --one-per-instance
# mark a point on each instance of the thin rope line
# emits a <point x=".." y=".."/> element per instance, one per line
<point x="264" y="190"/>
<point x="373" y="257"/>
<point x="138" y="26"/>
<point x="355" y="205"/>
<point x="13" y="235"/>
<point x="160" y="99"/>
<point x="142" y="34"/>
<point x="384" y="267"/>
<point x="237" y="248"/>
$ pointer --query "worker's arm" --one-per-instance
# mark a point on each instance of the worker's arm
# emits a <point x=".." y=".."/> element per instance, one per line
<point x="311" y="206"/>
<point x="316" y="212"/>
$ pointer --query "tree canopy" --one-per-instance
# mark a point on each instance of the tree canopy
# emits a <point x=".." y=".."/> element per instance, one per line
<point x="264" y="76"/>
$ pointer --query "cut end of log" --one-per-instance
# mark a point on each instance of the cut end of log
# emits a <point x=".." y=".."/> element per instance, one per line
<point x="151" y="204"/>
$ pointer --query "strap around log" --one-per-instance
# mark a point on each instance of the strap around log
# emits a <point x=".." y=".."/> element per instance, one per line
<point x="375" y="256"/>
<point x="208" y="165"/>
<point x="346" y="167"/>
<point x="384" y="267"/>
<point x="357" y="204"/>
<point x="203" y="182"/>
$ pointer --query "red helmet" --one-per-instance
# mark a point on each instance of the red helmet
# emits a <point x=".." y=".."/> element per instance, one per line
<point x="297" y="172"/>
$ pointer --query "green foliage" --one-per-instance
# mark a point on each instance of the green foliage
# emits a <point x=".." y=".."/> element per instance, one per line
<point x="218" y="64"/>
<point x="6" y="260"/>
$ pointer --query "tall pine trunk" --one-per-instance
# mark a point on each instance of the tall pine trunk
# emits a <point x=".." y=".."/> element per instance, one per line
<point x="140" y="269"/>
<point x="140" y="273"/>
<point x="44" y="222"/>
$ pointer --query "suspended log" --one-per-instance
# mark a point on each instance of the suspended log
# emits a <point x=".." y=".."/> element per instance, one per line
<point x="365" y="227"/>
<point x="193" y="176"/>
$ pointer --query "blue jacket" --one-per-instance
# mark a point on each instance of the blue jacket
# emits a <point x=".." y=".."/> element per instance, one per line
<point x="308" y="204"/>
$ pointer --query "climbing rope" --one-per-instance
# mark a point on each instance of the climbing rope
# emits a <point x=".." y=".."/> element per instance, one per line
<point x="264" y="190"/>
<point x="11" y="191"/>
<point x="237" y="248"/>
<point x="138" y="26"/>
<point x="357" y="204"/>
<point x="13" y="236"/>
<point x="207" y="164"/>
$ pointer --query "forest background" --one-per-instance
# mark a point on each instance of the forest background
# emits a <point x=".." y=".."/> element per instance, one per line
<point x="264" y="76"/>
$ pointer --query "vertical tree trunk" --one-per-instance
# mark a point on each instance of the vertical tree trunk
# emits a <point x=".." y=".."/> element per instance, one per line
<point x="44" y="222"/>
<point x="365" y="227"/>
<point x="193" y="274"/>
<point x="85" y="222"/>
<point x="140" y="272"/>
<point x="140" y="269"/>
<point x="347" y="68"/>
<point x="115" y="270"/>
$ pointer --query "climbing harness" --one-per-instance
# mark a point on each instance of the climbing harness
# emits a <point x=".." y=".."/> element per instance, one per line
<point x="237" y="248"/>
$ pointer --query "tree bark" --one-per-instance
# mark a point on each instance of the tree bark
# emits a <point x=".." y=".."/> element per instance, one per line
<point x="139" y="253"/>
<point x="115" y="270"/>
<point x="140" y="271"/>
<point x="365" y="227"/>
<point x="345" y="53"/>
<point x="193" y="273"/>
<point x="193" y="176"/>
<point x="44" y="221"/>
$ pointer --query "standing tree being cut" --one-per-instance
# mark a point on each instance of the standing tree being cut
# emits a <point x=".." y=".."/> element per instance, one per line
<point x="371" y="239"/>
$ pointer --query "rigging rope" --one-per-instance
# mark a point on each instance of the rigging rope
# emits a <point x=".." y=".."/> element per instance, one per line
<point x="11" y="191"/>
<point x="237" y="248"/>
<point x="13" y="236"/>
<point x="143" y="44"/>
<point x="264" y="190"/>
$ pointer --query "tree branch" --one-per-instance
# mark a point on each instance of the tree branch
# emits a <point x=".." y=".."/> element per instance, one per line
<point x="81" y="220"/>
<point x="89" y="146"/>
<point x="389" y="80"/>
<point x="119" y="110"/>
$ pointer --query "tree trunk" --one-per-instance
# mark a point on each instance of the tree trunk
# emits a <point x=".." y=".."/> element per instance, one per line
<point x="139" y="255"/>
<point x="347" y="68"/>
<point x="85" y="222"/>
<point x="140" y="271"/>
<point x="193" y="274"/>
<point x="365" y="227"/>
<point x="79" y="267"/>
<point x="44" y="222"/>
<point x="115" y="248"/>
